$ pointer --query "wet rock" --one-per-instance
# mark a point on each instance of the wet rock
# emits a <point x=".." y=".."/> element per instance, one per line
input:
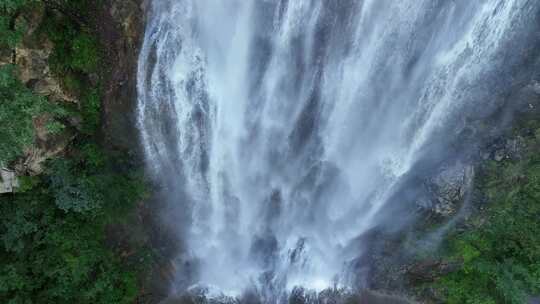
<point x="485" y="155"/>
<point x="431" y="295"/>
<point x="429" y="270"/>
<point x="447" y="190"/>
<point x="513" y="148"/>
<point x="373" y="297"/>
<point x="499" y="155"/>
<point x="8" y="181"/>
<point x="126" y="13"/>
<point x="533" y="300"/>
<point x="532" y="103"/>
<point x="121" y="29"/>
<point x="535" y="87"/>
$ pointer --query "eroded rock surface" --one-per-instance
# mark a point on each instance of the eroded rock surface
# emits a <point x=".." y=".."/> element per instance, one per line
<point x="121" y="31"/>
<point x="447" y="189"/>
<point x="8" y="181"/>
<point x="32" y="59"/>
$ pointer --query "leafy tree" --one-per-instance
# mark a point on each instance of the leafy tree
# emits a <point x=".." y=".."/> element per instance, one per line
<point x="50" y="256"/>
<point x="52" y="234"/>
<point x="52" y="230"/>
<point x="10" y="32"/>
<point x="18" y="105"/>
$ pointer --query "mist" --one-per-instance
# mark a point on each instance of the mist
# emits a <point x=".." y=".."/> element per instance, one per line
<point x="283" y="132"/>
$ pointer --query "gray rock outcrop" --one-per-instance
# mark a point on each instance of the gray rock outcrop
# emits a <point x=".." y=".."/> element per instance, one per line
<point x="8" y="181"/>
<point x="447" y="189"/>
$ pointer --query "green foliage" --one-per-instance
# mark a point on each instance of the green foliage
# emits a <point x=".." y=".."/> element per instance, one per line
<point x="27" y="183"/>
<point x="18" y="106"/>
<point x="91" y="104"/>
<point x="76" y="55"/>
<point x="72" y="190"/>
<point x="52" y="237"/>
<point x="72" y="83"/>
<point x="85" y="53"/>
<point x="84" y="184"/>
<point x="501" y="258"/>
<point x="55" y="127"/>
<point x="11" y="32"/>
<point x="75" y="49"/>
<point x="11" y="6"/>
<point x="9" y="35"/>
<point x="53" y="257"/>
<point x="52" y="230"/>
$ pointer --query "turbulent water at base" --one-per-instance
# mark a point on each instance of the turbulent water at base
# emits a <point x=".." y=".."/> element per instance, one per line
<point x="281" y="131"/>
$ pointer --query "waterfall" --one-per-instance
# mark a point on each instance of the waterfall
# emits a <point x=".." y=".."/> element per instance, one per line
<point x="281" y="131"/>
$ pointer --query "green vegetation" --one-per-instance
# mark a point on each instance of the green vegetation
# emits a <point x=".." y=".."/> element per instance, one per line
<point x="18" y="106"/>
<point x="52" y="230"/>
<point x="52" y="235"/>
<point x="75" y="50"/>
<point x="11" y="32"/>
<point x="501" y="256"/>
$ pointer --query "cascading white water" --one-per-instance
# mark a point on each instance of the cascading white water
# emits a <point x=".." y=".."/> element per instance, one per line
<point x="282" y="128"/>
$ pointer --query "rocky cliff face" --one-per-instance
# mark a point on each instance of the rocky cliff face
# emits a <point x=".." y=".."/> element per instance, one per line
<point x="31" y="57"/>
<point x="120" y="27"/>
<point x="121" y="30"/>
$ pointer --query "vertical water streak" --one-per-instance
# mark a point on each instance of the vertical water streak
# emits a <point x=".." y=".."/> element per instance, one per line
<point x="283" y="128"/>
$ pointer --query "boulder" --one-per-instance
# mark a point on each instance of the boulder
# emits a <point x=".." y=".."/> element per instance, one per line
<point x="8" y="181"/>
<point x="447" y="189"/>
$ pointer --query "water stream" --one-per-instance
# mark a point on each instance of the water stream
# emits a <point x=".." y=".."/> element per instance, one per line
<point x="282" y="130"/>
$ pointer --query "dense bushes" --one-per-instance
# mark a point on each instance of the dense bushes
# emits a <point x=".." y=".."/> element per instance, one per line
<point x="501" y="257"/>
<point x="52" y="230"/>
<point x="52" y="236"/>
<point x="11" y="32"/>
<point x="18" y="106"/>
<point x="75" y="49"/>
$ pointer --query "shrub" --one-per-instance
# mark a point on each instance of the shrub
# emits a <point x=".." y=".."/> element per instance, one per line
<point x="11" y="32"/>
<point x="52" y="230"/>
<point x="49" y="256"/>
<point x="501" y="257"/>
<point x="52" y="234"/>
<point x="18" y="106"/>
<point x="85" y="53"/>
